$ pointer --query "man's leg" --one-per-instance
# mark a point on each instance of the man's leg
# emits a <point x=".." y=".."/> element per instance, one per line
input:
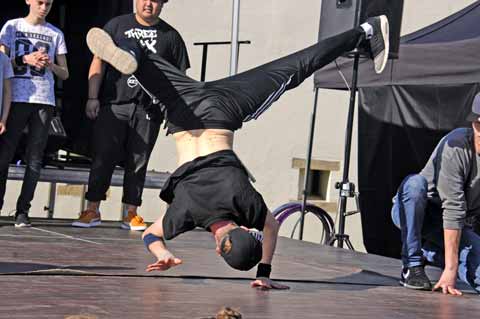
<point x="38" y="127"/>
<point x="17" y="120"/>
<point x="108" y="145"/>
<point x="469" y="258"/>
<point x="250" y="92"/>
<point x="142" y="135"/>
<point x="408" y="213"/>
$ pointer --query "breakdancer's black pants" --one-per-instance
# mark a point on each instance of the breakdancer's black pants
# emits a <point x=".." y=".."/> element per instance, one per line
<point x="229" y="102"/>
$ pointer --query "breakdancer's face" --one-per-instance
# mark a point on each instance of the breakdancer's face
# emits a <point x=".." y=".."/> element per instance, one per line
<point x="39" y="8"/>
<point x="149" y="10"/>
<point x="476" y="135"/>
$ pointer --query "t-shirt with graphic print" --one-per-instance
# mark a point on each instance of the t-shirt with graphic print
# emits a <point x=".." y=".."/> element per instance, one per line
<point x="161" y="39"/>
<point x="30" y="84"/>
<point x="6" y="72"/>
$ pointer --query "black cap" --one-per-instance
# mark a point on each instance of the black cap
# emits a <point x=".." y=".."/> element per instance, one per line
<point x="245" y="251"/>
<point x="474" y="115"/>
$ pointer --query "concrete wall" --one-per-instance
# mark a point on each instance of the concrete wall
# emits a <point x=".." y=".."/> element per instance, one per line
<point x="267" y="146"/>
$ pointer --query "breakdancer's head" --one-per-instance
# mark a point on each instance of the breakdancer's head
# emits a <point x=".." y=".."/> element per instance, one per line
<point x="237" y="245"/>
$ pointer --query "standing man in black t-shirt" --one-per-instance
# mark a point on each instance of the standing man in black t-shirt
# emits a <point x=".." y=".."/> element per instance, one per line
<point x="127" y="125"/>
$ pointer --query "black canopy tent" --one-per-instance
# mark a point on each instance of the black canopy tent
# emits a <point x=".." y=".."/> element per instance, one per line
<point x="406" y="110"/>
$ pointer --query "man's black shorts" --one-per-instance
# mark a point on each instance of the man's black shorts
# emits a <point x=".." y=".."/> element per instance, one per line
<point x="209" y="189"/>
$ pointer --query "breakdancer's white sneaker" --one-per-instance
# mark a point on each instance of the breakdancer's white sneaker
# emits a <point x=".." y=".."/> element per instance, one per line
<point x="378" y="37"/>
<point x="101" y="45"/>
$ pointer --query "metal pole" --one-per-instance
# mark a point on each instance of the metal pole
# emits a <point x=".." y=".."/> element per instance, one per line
<point x="346" y="188"/>
<point x="348" y="146"/>
<point x="307" y="166"/>
<point x="235" y="35"/>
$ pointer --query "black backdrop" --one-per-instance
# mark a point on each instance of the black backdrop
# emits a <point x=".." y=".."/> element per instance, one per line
<point x="75" y="18"/>
<point x="398" y="128"/>
<point x="405" y="111"/>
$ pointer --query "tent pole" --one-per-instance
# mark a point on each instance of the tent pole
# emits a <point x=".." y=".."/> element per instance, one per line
<point x="235" y="35"/>
<point x="308" y="164"/>
<point x="345" y="187"/>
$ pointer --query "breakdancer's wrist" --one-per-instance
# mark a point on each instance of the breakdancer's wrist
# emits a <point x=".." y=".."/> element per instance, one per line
<point x="264" y="270"/>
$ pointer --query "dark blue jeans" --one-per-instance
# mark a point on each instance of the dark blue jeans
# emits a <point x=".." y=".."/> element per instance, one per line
<point x="420" y="222"/>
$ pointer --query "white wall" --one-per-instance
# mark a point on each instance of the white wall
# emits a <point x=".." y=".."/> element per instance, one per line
<point x="276" y="28"/>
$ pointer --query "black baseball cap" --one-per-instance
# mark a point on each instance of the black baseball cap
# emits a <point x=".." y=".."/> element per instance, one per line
<point x="245" y="251"/>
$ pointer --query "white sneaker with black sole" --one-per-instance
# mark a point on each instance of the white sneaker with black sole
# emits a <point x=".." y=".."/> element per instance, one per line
<point x="101" y="45"/>
<point x="22" y="220"/>
<point x="379" y="41"/>
<point x="415" y="278"/>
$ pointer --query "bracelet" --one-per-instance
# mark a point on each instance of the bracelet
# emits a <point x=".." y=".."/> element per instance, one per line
<point x="148" y="239"/>
<point x="93" y="98"/>
<point x="19" y="60"/>
<point x="264" y="270"/>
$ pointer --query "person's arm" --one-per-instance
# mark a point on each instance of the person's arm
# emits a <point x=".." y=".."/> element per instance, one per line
<point x="153" y="238"/>
<point x="60" y="69"/>
<point x="36" y="59"/>
<point x="95" y="78"/>
<point x="270" y="234"/>
<point x="449" y="276"/>
<point x="4" y="49"/>
<point x="7" y="100"/>
<point x="452" y="173"/>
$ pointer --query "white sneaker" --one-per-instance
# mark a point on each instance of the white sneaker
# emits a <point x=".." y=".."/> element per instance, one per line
<point x="102" y="46"/>
<point x="379" y="42"/>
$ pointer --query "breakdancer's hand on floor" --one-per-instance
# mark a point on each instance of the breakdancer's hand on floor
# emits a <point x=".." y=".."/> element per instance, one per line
<point x="267" y="284"/>
<point x="164" y="261"/>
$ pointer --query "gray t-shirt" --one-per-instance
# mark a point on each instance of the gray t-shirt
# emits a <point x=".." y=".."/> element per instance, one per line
<point x="453" y="177"/>
<point x="31" y="85"/>
<point x="6" y="72"/>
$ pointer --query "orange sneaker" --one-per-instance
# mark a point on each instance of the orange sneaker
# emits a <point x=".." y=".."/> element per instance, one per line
<point x="88" y="218"/>
<point x="133" y="222"/>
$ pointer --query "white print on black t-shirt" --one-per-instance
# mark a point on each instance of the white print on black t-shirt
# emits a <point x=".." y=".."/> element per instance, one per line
<point x="146" y="37"/>
<point x="132" y="81"/>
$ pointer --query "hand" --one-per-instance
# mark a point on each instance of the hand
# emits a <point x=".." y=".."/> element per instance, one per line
<point x="447" y="283"/>
<point x="92" y="108"/>
<point x="37" y="59"/>
<point x="164" y="262"/>
<point x="266" y="284"/>
<point x="3" y="128"/>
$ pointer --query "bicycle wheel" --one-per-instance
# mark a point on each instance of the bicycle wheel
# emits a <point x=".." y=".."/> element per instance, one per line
<point x="292" y="211"/>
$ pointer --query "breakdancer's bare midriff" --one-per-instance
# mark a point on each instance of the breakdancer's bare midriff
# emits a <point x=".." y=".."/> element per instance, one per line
<point x="194" y="143"/>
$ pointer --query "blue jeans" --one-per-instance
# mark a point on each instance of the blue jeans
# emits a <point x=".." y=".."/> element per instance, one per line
<point x="420" y="222"/>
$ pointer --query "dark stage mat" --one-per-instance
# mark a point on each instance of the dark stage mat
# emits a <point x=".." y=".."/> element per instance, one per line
<point x="53" y="270"/>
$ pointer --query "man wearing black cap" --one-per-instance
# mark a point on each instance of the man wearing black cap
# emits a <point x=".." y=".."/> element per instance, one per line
<point x="437" y="209"/>
<point x="211" y="188"/>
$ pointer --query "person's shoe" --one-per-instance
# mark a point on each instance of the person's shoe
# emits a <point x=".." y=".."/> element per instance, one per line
<point x="379" y="42"/>
<point x="101" y="45"/>
<point x="22" y="220"/>
<point x="133" y="222"/>
<point x="415" y="278"/>
<point x="88" y="218"/>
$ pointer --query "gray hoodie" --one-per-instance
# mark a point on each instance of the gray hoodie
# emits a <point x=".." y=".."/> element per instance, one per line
<point x="453" y="177"/>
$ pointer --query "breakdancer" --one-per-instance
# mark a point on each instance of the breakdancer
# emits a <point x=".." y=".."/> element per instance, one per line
<point x="210" y="188"/>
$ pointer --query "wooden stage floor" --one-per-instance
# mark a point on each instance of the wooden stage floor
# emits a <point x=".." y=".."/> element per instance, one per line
<point x="54" y="271"/>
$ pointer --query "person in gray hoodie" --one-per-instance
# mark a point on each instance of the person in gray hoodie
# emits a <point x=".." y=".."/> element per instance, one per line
<point x="437" y="209"/>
